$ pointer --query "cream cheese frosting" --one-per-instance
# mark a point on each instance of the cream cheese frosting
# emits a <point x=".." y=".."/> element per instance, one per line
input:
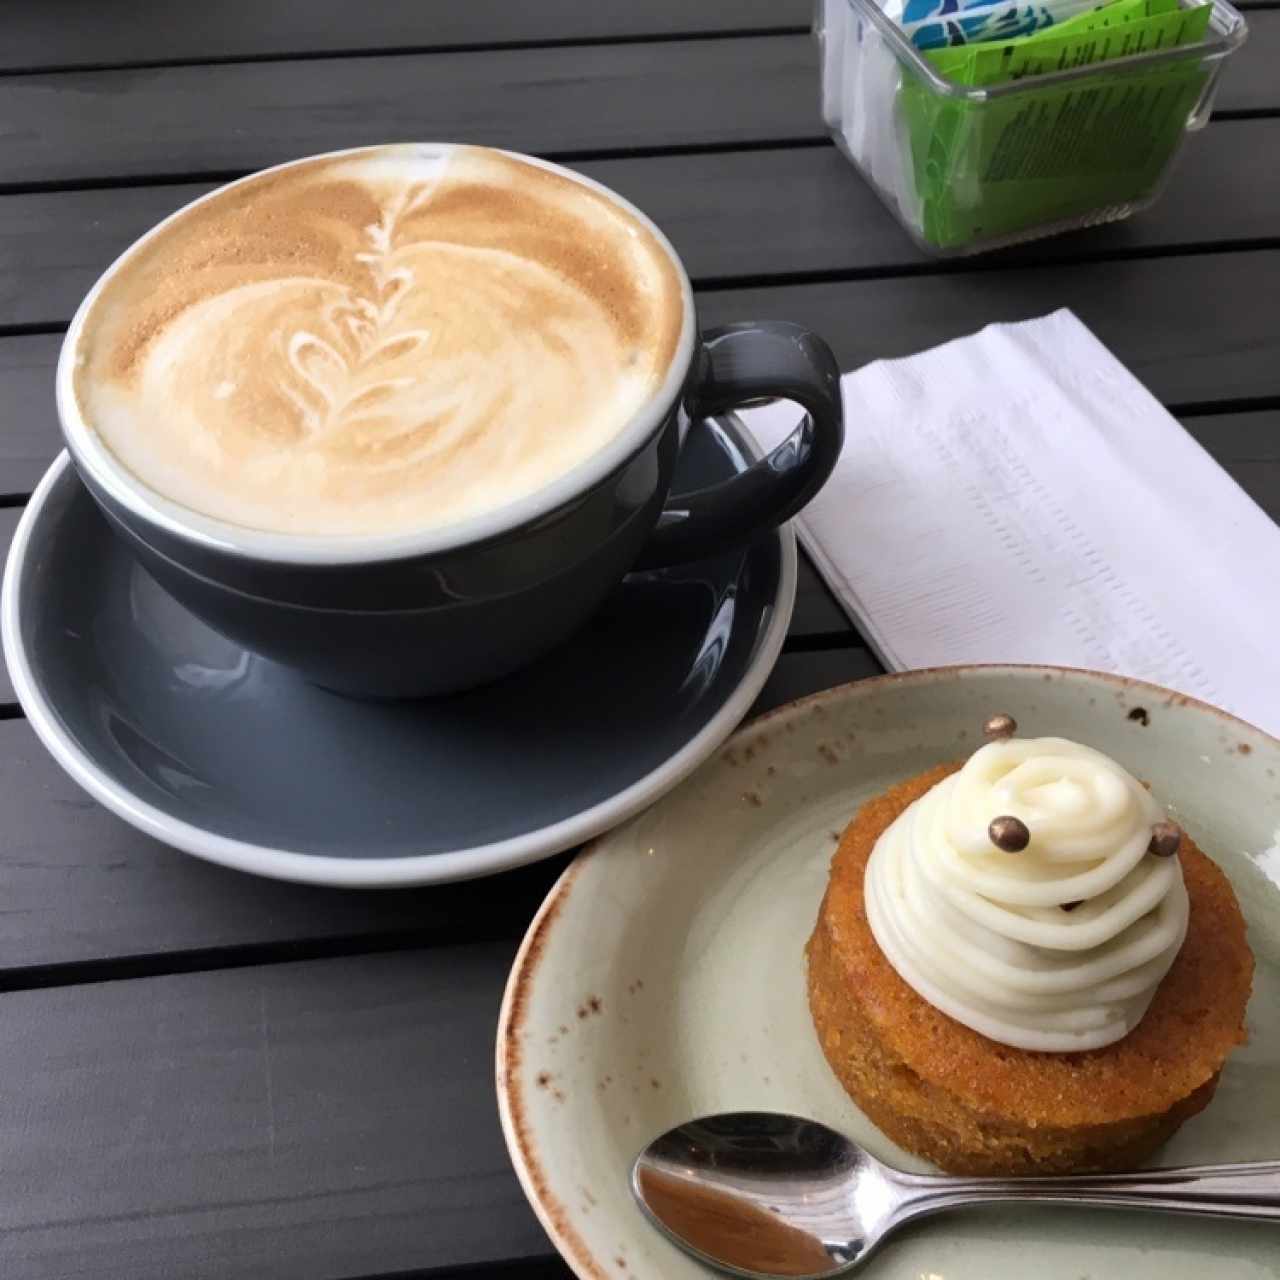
<point x="982" y="934"/>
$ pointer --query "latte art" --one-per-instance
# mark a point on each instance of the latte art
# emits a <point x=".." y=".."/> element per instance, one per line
<point x="378" y="342"/>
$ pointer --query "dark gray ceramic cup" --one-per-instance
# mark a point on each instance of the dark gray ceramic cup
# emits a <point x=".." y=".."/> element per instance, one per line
<point x="453" y="607"/>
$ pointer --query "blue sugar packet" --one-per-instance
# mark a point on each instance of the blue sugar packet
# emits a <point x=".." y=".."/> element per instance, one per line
<point x="937" y="24"/>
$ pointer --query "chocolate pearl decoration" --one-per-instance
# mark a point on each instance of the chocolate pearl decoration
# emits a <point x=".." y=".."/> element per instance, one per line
<point x="1009" y="833"/>
<point x="1000" y="726"/>
<point x="1166" y="837"/>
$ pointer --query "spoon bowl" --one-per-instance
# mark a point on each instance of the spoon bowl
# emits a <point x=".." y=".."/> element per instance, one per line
<point x="763" y="1194"/>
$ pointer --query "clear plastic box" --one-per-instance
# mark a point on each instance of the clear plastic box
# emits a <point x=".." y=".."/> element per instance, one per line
<point x="970" y="169"/>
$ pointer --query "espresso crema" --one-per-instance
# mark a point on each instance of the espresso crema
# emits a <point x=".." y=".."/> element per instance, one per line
<point x="378" y="342"/>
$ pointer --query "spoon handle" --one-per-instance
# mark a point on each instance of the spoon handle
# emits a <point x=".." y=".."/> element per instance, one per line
<point x="1219" y="1190"/>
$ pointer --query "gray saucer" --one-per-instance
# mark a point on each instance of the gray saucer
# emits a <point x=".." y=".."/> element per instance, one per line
<point x="230" y="757"/>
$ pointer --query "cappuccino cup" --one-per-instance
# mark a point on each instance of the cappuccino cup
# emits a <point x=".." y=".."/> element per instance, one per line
<point x="401" y="417"/>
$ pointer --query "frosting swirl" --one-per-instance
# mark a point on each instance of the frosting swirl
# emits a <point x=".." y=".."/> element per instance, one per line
<point x="982" y="935"/>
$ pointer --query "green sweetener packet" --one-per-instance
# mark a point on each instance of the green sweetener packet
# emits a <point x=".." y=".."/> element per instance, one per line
<point x="1003" y="60"/>
<point x="1004" y="166"/>
<point x="1103" y="41"/>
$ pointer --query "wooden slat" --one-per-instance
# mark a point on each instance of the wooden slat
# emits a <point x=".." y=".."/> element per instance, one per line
<point x="1178" y="323"/>
<point x="1249" y="81"/>
<point x="80" y="886"/>
<point x="1248" y="447"/>
<point x="159" y="121"/>
<point x="86" y="33"/>
<point x="111" y="124"/>
<point x="799" y="674"/>
<point x="329" y="1118"/>
<point x="80" y="33"/>
<point x="1184" y="325"/>
<point x="29" y="438"/>
<point x="9" y="517"/>
<point x="814" y="215"/>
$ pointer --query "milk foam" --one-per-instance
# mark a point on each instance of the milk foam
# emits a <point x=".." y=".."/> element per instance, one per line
<point x="379" y="342"/>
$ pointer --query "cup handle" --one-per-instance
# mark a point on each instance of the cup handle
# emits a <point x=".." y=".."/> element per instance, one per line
<point x="741" y="363"/>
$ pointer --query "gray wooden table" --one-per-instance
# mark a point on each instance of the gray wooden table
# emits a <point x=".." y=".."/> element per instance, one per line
<point x="203" y="1074"/>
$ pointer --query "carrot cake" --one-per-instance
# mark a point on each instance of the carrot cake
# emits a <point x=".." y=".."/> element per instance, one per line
<point x="1020" y="967"/>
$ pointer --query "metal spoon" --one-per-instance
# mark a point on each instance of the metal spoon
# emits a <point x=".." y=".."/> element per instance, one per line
<point x="761" y="1194"/>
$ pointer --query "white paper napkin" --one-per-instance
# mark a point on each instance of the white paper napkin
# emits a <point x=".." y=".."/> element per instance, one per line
<point x="1018" y="496"/>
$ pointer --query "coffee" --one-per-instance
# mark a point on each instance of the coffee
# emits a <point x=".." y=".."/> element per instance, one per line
<point x="378" y="342"/>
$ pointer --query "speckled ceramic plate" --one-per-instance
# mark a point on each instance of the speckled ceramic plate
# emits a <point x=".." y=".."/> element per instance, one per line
<point x="664" y="975"/>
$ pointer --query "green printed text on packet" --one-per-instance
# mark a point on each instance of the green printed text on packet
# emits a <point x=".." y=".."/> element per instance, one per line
<point x="1113" y="31"/>
<point x="998" y="167"/>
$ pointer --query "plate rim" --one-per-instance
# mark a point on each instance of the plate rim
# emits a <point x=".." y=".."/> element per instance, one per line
<point x="378" y="873"/>
<point x="552" y="1215"/>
